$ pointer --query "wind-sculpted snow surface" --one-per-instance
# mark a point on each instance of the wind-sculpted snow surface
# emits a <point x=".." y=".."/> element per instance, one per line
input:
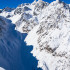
<point x="14" y="54"/>
<point x="10" y="43"/>
<point x="51" y="38"/>
<point x="48" y="28"/>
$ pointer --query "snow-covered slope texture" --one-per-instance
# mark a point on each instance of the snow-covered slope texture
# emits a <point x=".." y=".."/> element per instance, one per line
<point x="25" y="16"/>
<point x="51" y="37"/>
<point x="14" y="54"/>
<point x="7" y="9"/>
<point x="29" y="15"/>
<point x="10" y="43"/>
<point x="2" y="68"/>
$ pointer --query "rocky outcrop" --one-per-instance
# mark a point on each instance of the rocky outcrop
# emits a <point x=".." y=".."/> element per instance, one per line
<point x="51" y="37"/>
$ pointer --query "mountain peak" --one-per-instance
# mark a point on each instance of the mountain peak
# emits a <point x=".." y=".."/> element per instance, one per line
<point x="8" y="9"/>
<point x="39" y="0"/>
<point x="58" y="0"/>
<point x="35" y="0"/>
<point x="48" y="28"/>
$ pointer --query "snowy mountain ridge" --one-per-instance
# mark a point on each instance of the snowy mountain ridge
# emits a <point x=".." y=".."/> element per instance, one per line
<point x="26" y="15"/>
<point x="48" y="29"/>
<point x="50" y="37"/>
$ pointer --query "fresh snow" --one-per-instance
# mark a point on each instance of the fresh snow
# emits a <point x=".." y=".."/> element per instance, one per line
<point x="51" y="38"/>
<point x="2" y="68"/>
<point x="48" y="29"/>
<point x="14" y="54"/>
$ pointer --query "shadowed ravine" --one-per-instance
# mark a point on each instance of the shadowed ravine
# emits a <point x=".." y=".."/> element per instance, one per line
<point x="30" y="62"/>
<point x="14" y="54"/>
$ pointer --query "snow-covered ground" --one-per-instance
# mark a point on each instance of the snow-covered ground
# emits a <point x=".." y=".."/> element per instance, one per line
<point x="14" y="54"/>
<point x="50" y="39"/>
<point x="48" y="31"/>
<point x="2" y="68"/>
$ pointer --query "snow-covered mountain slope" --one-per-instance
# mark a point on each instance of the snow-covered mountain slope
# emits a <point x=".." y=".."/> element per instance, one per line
<point x="7" y="9"/>
<point x="48" y="28"/>
<point x="0" y="10"/>
<point x="29" y="13"/>
<point x="2" y="68"/>
<point x="51" y="37"/>
<point x="14" y="54"/>
<point x="10" y="43"/>
<point x="25" y="16"/>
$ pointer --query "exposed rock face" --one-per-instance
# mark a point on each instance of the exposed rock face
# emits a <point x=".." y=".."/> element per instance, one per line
<point x="39" y="6"/>
<point x="48" y="28"/>
<point x="0" y="10"/>
<point x="21" y="9"/>
<point x="7" y="9"/>
<point x="25" y="16"/>
<point x="26" y="22"/>
<point x="29" y="15"/>
<point x="52" y="21"/>
<point x="58" y="0"/>
<point x="51" y="37"/>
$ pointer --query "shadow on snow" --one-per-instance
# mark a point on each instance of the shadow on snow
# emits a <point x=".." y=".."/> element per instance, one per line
<point x="14" y="54"/>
